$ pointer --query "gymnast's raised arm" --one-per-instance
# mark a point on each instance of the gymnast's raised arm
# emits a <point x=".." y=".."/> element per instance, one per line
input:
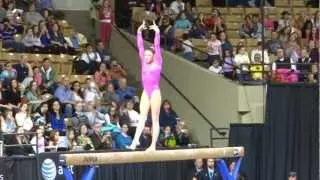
<point x="156" y="44"/>
<point x="140" y="42"/>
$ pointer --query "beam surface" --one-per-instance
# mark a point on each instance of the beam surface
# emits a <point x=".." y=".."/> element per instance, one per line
<point x="150" y="156"/>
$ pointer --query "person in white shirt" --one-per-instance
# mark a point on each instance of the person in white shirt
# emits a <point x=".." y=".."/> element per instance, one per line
<point x="214" y="49"/>
<point x="93" y="115"/>
<point x="91" y="93"/>
<point x="40" y="141"/>
<point x="187" y="47"/>
<point x="242" y="60"/>
<point x="23" y="119"/>
<point x="177" y="6"/>
<point x="258" y="50"/>
<point x="90" y="61"/>
<point x="216" y="67"/>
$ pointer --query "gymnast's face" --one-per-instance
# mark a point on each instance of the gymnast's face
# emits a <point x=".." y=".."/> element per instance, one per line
<point x="148" y="56"/>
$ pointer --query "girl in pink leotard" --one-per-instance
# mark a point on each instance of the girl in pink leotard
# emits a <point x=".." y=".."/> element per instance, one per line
<point x="151" y="66"/>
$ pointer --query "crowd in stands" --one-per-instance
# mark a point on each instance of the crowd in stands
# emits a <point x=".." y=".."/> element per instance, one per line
<point x="98" y="111"/>
<point x="289" y="48"/>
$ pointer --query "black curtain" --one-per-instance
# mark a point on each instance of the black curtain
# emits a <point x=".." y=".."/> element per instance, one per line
<point x="291" y="133"/>
<point x="250" y="136"/>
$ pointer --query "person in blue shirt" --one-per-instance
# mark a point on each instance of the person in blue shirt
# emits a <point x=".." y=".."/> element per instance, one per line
<point x="230" y="173"/>
<point x="125" y="92"/>
<point x="182" y="23"/>
<point x="65" y="96"/>
<point x="123" y="140"/>
<point x="56" y="117"/>
<point x="168" y="116"/>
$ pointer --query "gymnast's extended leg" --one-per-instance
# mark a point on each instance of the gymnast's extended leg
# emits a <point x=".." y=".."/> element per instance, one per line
<point x="144" y="110"/>
<point x="155" y="102"/>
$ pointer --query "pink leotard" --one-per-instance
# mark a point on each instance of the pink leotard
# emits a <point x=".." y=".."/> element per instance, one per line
<point x="150" y="73"/>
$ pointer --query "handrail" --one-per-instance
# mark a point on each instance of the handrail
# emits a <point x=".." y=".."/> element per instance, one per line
<point x="175" y="88"/>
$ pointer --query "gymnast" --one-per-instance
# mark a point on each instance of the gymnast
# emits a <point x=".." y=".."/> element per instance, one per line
<point x="151" y="66"/>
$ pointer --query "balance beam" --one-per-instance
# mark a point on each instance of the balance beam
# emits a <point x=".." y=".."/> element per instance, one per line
<point x="150" y="156"/>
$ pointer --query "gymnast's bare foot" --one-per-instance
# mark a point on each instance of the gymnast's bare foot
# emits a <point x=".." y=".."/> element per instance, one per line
<point x="151" y="148"/>
<point x="133" y="146"/>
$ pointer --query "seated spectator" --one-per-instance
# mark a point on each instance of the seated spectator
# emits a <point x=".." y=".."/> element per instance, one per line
<point x="7" y="34"/>
<point x="59" y="44"/>
<point x="130" y="117"/>
<point x="123" y="140"/>
<point x="257" y="27"/>
<point x="23" y="118"/>
<point x="284" y="69"/>
<point x="145" y="138"/>
<point x="65" y="96"/>
<point x="89" y="61"/>
<point x="190" y="14"/>
<point x="314" y="52"/>
<point x="182" y="136"/>
<point x="32" y="16"/>
<point x="3" y="11"/>
<point x="110" y="94"/>
<point x="94" y="116"/>
<point x="8" y="123"/>
<point x="247" y="27"/>
<point x="269" y="23"/>
<point x="44" y="4"/>
<point x="216" y="67"/>
<point x="210" y="171"/>
<point x="197" y="172"/>
<point x="48" y="75"/>
<point x="100" y="142"/>
<point x="79" y="117"/>
<point x="54" y="140"/>
<point x="182" y="23"/>
<point x="187" y="48"/>
<point x="197" y="31"/>
<point x="157" y="7"/>
<point x="71" y="137"/>
<point x="258" y="50"/>
<point x="8" y="73"/>
<point x="256" y="67"/>
<point x="166" y="29"/>
<point x="101" y="50"/>
<point x="168" y="117"/>
<point x="75" y="40"/>
<point x="44" y="35"/>
<point x="316" y="19"/>
<point x="242" y="61"/>
<point x="12" y="96"/>
<point x="91" y="93"/>
<point x="228" y="64"/>
<point x="304" y="65"/>
<point x="39" y="140"/>
<point x="292" y="48"/>
<point x="177" y="6"/>
<point x="83" y="139"/>
<point x="117" y="72"/>
<point x="102" y="76"/>
<point x="16" y="140"/>
<point x="210" y="20"/>
<point x="37" y="76"/>
<point x="41" y="115"/>
<point x="285" y="20"/>
<point x="56" y="117"/>
<point x="77" y="92"/>
<point x="124" y="91"/>
<point x="225" y="43"/>
<point x="274" y="43"/>
<point x="314" y="35"/>
<point x="214" y="49"/>
<point x="167" y="138"/>
<point x="23" y="68"/>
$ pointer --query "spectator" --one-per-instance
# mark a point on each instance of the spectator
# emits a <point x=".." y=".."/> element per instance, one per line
<point x="314" y="52"/>
<point x="77" y="92"/>
<point x="182" y="23"/>
<point x="7" y="34"/>
<point x="91" y="93"/>
<point x="101" y="50"/>
<point x="182" y="135"/>
<point x="256" y="67"/>
<point x="117" y="72"/>
<point x="45" y="5"/>
<point x="23" y="68"/>
<point x="23" y="118"/>
<point x="8" y="73"/>
<point x="316" y="19"/>
<point x="231" y="172"/>
<point x="216" y="67"/>
<point x="110" y="94"/>
<point x="197" y="172"/>
<point x="56" y="117"/>
<point x="292" y="176"/>
<point x="284" y="68"/>
<point x="100" y="142"/>
<point x="17" y="140"/>
<point x="32" y="17"/>
<point x="303" y="65"/>
<point x="37" y="76"/>
<point x="3" y="11"/>
<point x="8" y="123"/>
<point x="71" y="137"/>
<point x="166" y="29"/>
<point x="54" y="140"/>
<point x="125" y="92"/>
<point x="190" y="15"/>
<point x="257" y="27"/>
<point x="242" y="61"/>
<point x="292" y="48"/>
<point x="65" y="96"/>
<point x="93" y="115"/>
<point x="145" y="139"/>
<point x="102" y="76"/>
<point x="44" y="35"/>
<point x="39" y="140"/>
<point x="89" y="61"/>
<point x="132" y="117"/>
<point x="167" y="138"/>
<point x="247" y="27"/>
<point x="285" y="20"/>
<point x="83" y="139"/>
<point x="79" y="117"/>
<point x="12" y="96"/>
<point x="228" y="64"/>
<point x="177" y="6"/>
<point x="41" y="115"/>
<point x="269" y="23"/>
<point x="59" y="44"/>
<point x="225" y="43"/>
<point x="49" y="75"/>
<point x="187" y="47"/>
<point x="123" y="140"/>
<point x="197" y="31"/>
<point x="168" y="116"/>
<point x="214" y="49"/>
<point x="274" y="43"/>
<point x="74" y="40"/>
<point x="210" y="171"/>
<point x="258" y="50"/>
<point x="157" y="7"/>
<point x="107" y="20"/>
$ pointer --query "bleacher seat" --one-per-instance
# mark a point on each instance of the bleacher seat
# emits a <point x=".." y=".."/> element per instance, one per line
<point x="233" y="18"/>
<point x="236" y="11"/>
<point x="233" y="34"/>
<point x="253" y="11"/>
<point x="232" y="26"/>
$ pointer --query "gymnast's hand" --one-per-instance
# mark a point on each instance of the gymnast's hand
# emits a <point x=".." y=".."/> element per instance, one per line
<point x="142" y="26"/>
<point x="155" y="27"/>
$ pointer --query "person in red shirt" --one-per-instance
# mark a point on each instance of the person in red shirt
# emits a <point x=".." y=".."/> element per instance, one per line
<point x="106" y="20"/>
